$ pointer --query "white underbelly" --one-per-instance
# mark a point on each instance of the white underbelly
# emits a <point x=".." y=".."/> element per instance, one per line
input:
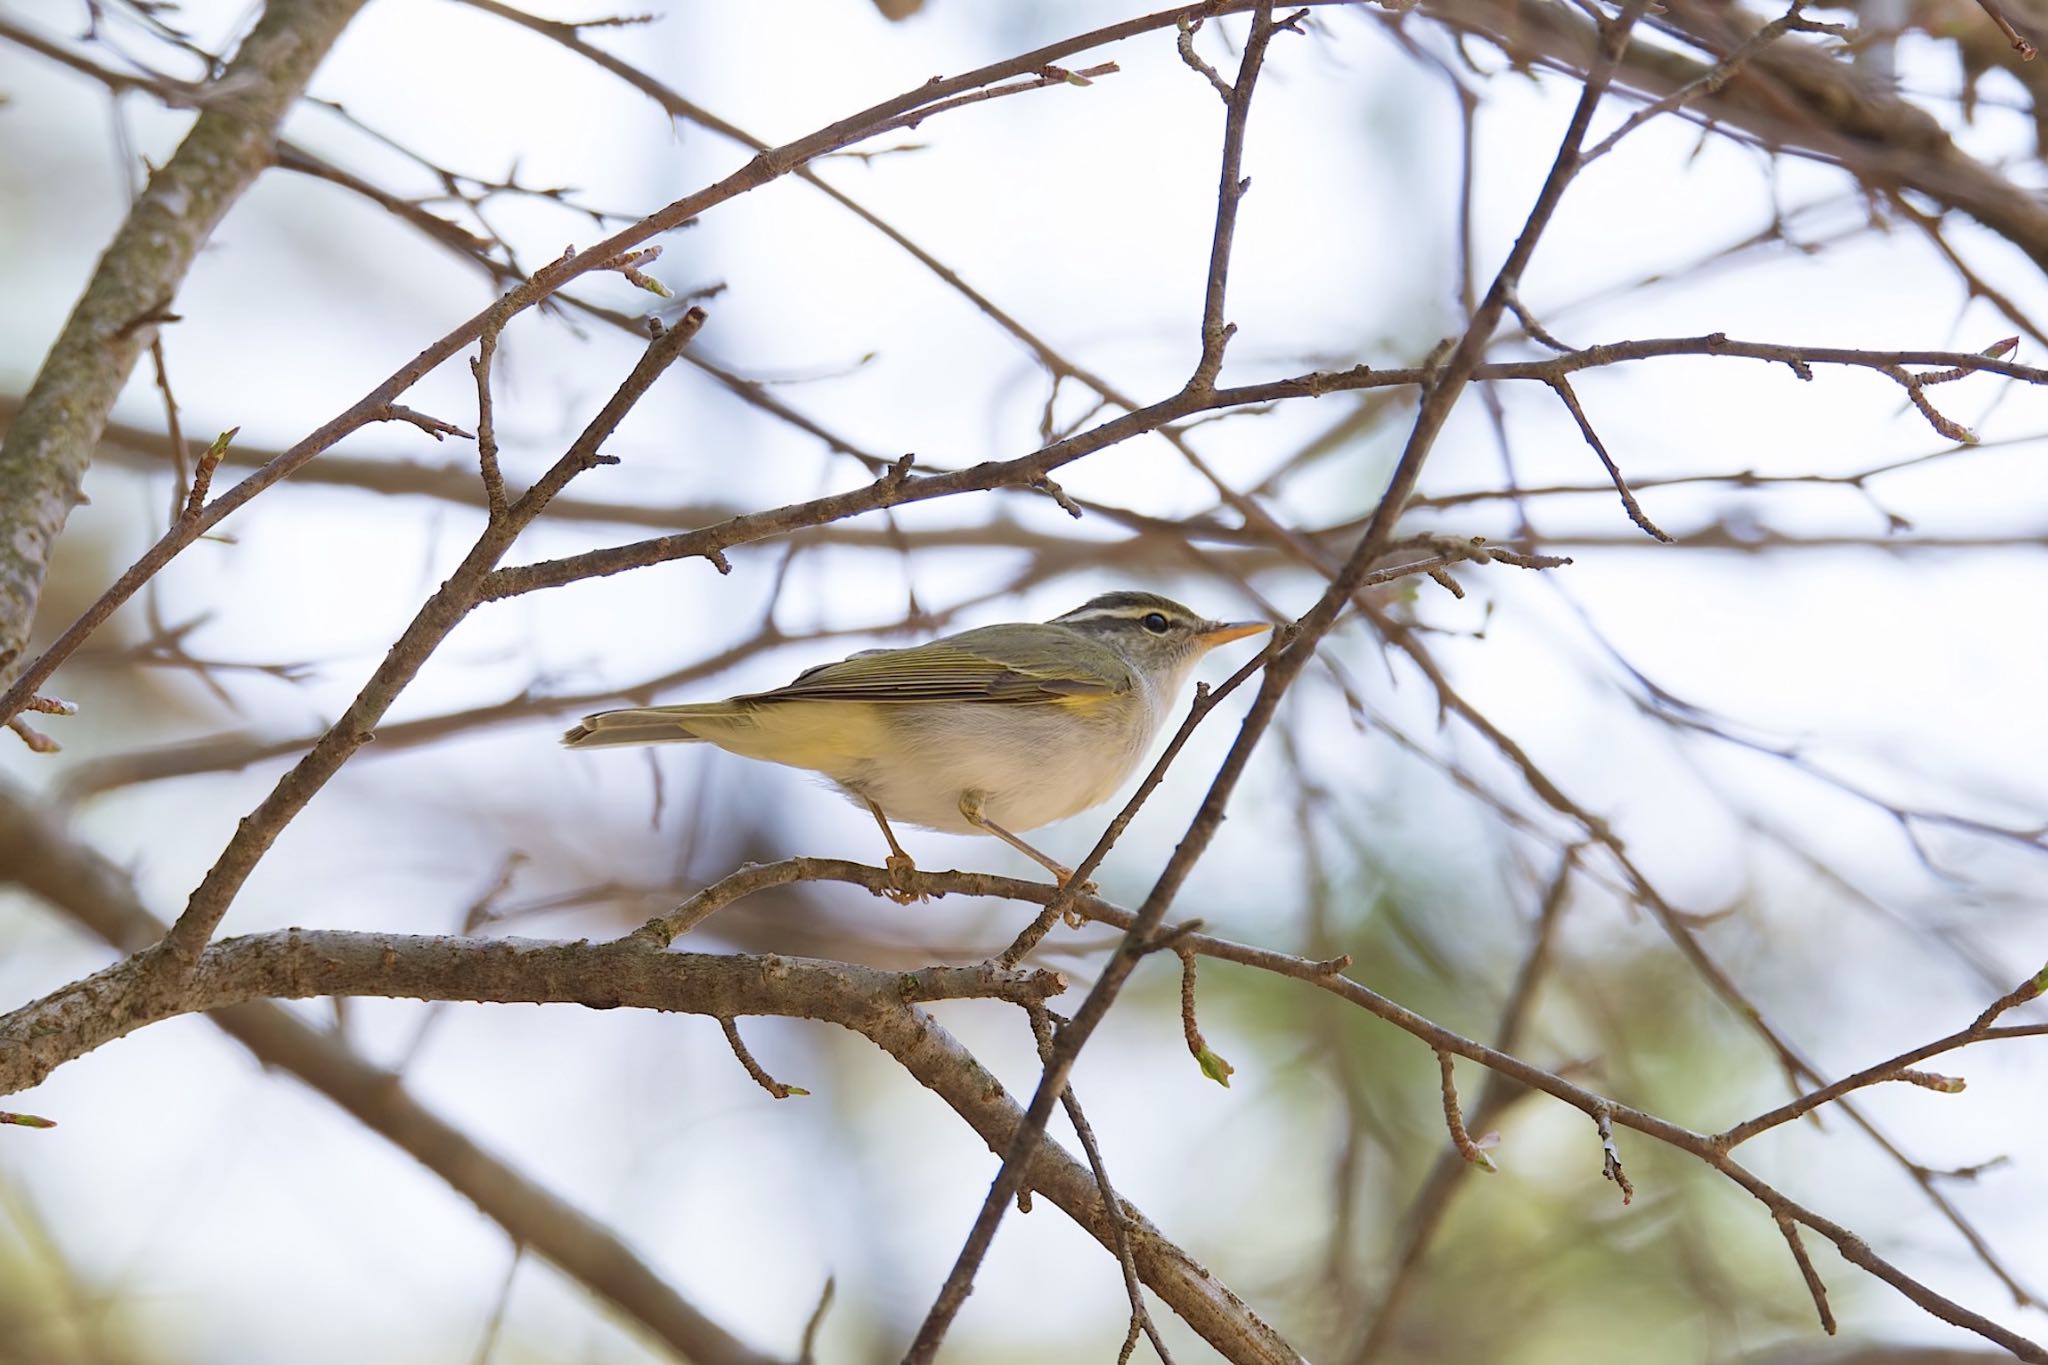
<point x="1032" y="765"/>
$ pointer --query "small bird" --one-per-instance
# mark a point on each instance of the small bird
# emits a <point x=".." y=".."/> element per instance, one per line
<point x="993" y="730"/>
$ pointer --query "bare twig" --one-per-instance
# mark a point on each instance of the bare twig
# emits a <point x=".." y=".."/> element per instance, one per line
<point x="746" y="1058"/>
<point x="2019" y="42"/>
<point x="1893" y="1069"/>
<point x="1141" y="1318"/>
<point x="807" y="1354"/>
<point x="1562" y="387"/>
<point x="49" y="444"/>
<point x="39" y="853"/>
<point x="1213" y="1066"/>
<point x="1818" y="1290"/>
<point x="1461" y="1141"/>
<point x="449" y="604"/>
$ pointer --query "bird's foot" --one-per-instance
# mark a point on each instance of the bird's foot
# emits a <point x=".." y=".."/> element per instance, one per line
<point x="900" y="867"/>
<point x="1074" y="918"/>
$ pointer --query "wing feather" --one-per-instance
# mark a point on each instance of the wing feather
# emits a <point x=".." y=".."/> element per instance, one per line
<point x="1034" y="665"/>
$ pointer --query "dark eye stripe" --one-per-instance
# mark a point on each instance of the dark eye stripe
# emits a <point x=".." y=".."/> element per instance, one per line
<point x="1136" y="616"/>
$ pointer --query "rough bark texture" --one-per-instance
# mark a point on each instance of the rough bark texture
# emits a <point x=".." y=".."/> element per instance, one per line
<point x="38" y="854"/>
<point x="49" y="444"/>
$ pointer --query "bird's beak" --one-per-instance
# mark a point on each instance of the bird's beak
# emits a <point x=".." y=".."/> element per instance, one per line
<point x="1223" y="632"/>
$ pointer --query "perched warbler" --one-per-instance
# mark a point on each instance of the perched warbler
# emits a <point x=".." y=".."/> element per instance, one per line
<point x="994" y="730"/>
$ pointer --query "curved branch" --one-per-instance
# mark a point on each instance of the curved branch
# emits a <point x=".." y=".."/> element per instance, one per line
<point x="36" y="852"/>
<point x="948" y="1070"/>
<point x="299" y="964"/>
<point x="40" y="855"/>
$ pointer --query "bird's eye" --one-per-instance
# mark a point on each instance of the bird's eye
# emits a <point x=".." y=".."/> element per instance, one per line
<point x="1155" y="622"/>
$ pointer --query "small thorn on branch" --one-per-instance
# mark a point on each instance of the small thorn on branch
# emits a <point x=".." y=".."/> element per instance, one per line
<point x="1454" y="1119"/>
<point x="761" y="1077"/>
<point x="154" y="315"/>
<point x="26" y="1120"/>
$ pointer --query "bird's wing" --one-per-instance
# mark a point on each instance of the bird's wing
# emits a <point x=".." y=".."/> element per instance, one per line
<point x="1038" y="665"/>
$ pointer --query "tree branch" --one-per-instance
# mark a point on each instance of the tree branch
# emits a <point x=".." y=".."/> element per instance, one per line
<point x="40" y="855"/>
<point x="49" y="444"/>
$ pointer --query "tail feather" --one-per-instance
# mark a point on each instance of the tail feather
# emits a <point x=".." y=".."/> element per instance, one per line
<point x="641" y="725"/>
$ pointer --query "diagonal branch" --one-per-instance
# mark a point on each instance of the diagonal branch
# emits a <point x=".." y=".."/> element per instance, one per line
<point x="441" y="613"/>
<point x="49" y="443"/>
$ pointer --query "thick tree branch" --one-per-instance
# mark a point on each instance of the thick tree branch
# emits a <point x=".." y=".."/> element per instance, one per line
<point x="39" y="854"/>
<point x="299" y="964"/>
<point x="36" y="852"/>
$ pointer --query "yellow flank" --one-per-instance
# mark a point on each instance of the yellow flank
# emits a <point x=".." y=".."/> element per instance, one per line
<point x="824" y="736"/>
<point x="828" y="737"/>
<point x="1085" y="701"/>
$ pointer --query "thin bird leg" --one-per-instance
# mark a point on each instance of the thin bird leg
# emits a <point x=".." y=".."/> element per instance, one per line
<point x="970" y="807"/>
<point x="899" y="863"/>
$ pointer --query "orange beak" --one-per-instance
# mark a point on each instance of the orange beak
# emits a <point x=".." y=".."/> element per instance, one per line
<point x="1224" y="632"/>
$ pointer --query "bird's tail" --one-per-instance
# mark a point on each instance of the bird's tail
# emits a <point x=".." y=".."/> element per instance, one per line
<point x="649" y="725"/>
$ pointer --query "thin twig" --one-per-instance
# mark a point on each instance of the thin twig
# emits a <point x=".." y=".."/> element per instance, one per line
<point x="1461" y="1141"/>
<point x="1562" y="387"/>
<point x="1814" y="1286"/>
<point x="455" y="598"/>
<point x="1213" y="1066"/>
<point x="754" y="1068"/>
<point x="1141" y="1318"/>
<point x="807" y="1354"/>
<point x="2012" y="35"/>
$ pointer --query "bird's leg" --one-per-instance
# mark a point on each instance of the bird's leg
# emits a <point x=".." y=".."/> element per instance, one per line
<point x="899" y="863"/>
<point x="970" y="807"/>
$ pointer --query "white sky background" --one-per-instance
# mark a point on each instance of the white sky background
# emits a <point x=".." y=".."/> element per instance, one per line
<point x="1087" y="213"/>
